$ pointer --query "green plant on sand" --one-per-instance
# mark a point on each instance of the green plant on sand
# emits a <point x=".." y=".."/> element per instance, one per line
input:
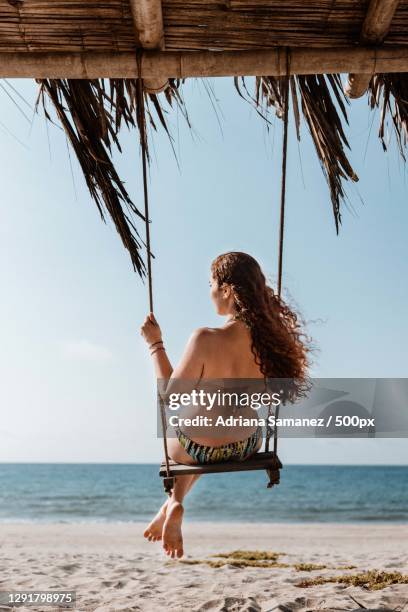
<point x="308" y="567"/>
<point x="241" y="558"/>
<point x="372" y="580"/>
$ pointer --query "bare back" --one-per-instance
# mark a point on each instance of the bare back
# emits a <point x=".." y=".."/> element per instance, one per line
<point x="218" y="353"/>
<point x="228" y="354"/>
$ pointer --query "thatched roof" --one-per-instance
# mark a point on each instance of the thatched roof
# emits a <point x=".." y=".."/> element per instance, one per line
<point x="266" y="38"/>
<point x="89" y="25"/>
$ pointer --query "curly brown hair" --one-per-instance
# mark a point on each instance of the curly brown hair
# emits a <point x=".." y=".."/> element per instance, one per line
<point x="279" y="344"/>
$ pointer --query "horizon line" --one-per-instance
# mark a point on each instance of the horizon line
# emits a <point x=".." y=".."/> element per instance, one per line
<point x="158" y="463"/>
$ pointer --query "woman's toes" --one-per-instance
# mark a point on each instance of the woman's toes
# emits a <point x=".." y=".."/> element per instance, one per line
<point x="154" y="529"/>
<point x="172" y="535"/>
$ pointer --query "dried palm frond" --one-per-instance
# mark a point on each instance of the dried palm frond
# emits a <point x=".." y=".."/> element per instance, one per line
<point x="326" y="127"/>
<point x="91" y="113"/>
<point x="390" y="92"/>
<point x="324" y="117"/>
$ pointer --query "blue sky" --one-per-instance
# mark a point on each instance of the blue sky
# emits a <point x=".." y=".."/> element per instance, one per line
<point x="77" y="383"/>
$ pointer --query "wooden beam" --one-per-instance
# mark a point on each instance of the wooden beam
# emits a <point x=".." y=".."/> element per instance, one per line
<point x="148" y="21"/>
<point x="378" y="21"/>
<point x="357" y="84"/>
<point x="183" y="64"/>
<point x="375" y="28"/>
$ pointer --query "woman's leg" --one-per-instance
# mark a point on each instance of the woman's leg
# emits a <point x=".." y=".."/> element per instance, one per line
<point x="172" y="535"/>
<point x="154" y="530"/>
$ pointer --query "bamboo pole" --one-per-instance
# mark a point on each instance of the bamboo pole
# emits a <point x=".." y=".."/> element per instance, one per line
<point x="183" y="64"/>
<point x="375" y="28"/>
<point x="148" y="21"/>
<point x="357" y="84"/>
<point x="378" y="21"/>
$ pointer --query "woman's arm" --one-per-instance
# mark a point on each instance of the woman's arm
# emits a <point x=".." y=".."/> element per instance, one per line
<point x="162" y="365"/>
<point x="191" y="365"/>
<point x="151" y="332"/>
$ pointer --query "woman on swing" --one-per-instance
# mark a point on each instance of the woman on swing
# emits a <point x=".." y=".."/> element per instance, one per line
<point x="261" y="337"/>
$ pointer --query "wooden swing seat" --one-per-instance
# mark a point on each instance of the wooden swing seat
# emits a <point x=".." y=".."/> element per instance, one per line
<point x="260" y="461"/>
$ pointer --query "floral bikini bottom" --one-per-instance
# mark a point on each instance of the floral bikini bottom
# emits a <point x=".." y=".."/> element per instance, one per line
<point x="235" y="451"/>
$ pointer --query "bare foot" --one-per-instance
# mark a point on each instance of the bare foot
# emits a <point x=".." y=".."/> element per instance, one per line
<point x="172" y="536"/>
<point x="153" y="531"/>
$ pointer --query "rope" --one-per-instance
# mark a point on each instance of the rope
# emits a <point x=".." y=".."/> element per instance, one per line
<point x="283" y="183"/>
<point x="143" y="143"/>
<point x="281" y="224"/>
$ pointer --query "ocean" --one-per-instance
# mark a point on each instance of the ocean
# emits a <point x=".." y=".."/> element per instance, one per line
<point x="133" y="492"/>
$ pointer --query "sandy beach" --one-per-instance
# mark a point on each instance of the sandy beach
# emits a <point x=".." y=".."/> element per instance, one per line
<point x="111" y="567"/>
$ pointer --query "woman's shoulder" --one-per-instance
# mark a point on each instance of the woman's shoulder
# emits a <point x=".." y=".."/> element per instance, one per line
<point x="201" y="342"/>
<point x="206" y="336"/>
<point x="202" y="334"/>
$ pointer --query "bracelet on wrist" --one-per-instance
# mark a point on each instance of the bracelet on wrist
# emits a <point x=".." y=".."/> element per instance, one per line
<point x="154" y="343"/>
<point x="159" y="348"/>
